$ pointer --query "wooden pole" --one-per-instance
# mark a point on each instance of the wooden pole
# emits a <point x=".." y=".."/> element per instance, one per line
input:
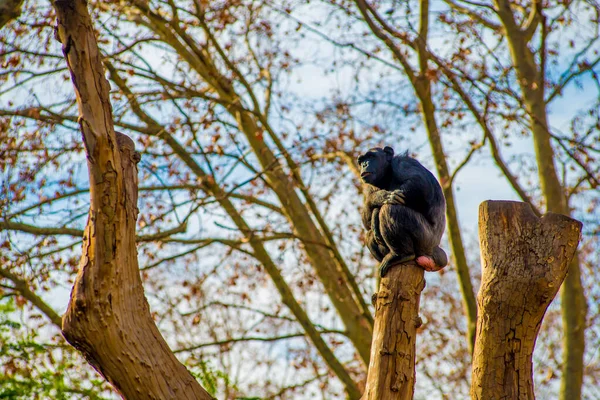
<point x="524" y="262"/>
<point x="391" y="372"/>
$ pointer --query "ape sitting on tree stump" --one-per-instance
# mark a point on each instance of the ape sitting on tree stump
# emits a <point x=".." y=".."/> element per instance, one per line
<point x="404" y="212"/>
<point x="404" y="215"/>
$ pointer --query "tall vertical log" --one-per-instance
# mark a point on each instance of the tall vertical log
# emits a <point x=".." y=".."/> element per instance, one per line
<point x="392" y="364"/>
<point x="108" y="318"/>
<point x="524" y="261"/>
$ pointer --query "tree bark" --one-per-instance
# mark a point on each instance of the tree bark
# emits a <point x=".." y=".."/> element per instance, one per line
<point x="391" y="372"/>
<point x="108" y="318"/>
<point x="532" y="81"/>
<point x="524" y="261"/>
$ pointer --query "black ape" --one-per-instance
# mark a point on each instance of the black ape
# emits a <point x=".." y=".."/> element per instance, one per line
<point x="404" y="210"/>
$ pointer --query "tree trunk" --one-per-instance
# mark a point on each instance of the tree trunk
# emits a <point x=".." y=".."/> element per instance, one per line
<point x="108" y="318"/>
<point x="532" y="81"/>
<point x="392" y="367"/>
<point x="524" y="261"/>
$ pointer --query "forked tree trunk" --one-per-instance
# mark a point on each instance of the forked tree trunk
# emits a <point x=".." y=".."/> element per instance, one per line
<point x="524" y="261"/>
<point x="392" y="365"/>
<point x="108" y="318"/>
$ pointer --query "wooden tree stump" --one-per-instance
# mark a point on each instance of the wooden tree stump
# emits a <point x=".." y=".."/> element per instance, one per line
<point x="524" y="262"/>
<point x="392" y="365"/>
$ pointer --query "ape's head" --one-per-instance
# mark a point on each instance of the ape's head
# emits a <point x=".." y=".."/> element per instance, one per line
<point x="374" y="165"/>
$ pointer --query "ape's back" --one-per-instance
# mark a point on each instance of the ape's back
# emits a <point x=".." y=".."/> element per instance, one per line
<point x="423" y="192"/>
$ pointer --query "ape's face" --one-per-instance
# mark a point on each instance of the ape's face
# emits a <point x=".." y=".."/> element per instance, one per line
<point x="374" y="164"/>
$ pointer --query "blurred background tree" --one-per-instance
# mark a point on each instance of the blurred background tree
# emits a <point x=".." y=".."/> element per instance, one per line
<point x="260" y="283"/>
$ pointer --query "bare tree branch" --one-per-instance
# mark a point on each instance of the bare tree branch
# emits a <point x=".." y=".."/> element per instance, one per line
<point x="22" y="287"/>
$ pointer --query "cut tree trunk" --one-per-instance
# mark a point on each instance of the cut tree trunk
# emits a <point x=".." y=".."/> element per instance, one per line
<point x="524" y="261"/>
<point x="392" y="365"/>
<point x="532" y="78"/>
<point x="108" y="318"/>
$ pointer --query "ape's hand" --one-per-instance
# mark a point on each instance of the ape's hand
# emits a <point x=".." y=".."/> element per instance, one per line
<point x="394" y="197"/>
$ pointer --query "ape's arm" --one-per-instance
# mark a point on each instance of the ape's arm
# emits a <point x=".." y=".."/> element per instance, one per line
<point x="377" y="198"/>
<point x="381" y="197"/>
<point x="374" y="199"/>
<point x="370" y="215"/>
<point x="370" y="220"/>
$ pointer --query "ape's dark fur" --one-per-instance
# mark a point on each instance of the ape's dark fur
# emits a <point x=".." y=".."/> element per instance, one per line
<point x="405" y="209"/>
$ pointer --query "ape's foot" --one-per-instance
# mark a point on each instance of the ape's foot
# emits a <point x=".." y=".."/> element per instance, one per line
<point x="428" y="264"/>
<point x="392" y="259"/>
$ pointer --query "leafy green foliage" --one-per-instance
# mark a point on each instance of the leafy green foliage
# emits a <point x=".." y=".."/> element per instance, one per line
<point x="211" y="378"/>
<point x="32" y="369"/>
